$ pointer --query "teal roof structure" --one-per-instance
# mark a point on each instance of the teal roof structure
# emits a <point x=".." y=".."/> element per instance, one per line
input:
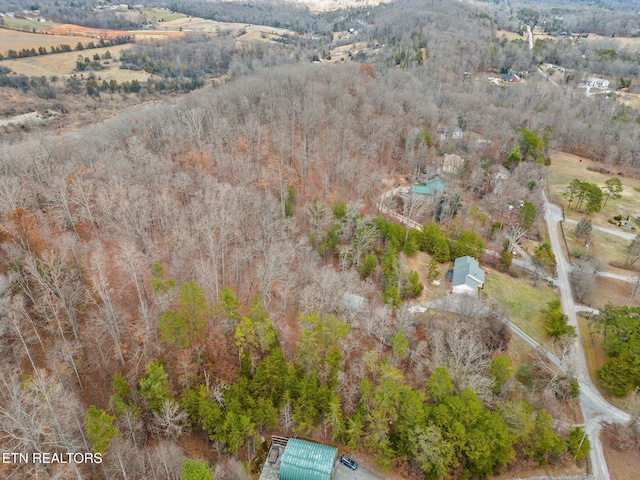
<point x="466" y="270"/>
<point x="354" y="301"/>
<point x="303" y="460"/>
<point x="430" y="187"/>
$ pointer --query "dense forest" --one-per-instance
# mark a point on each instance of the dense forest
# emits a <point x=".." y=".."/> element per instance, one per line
<point x="134" y="253"/>
<point x="173" y="279"/>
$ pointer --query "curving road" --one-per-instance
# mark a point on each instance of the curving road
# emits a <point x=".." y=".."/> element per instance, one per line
<point x="595" y="409"/>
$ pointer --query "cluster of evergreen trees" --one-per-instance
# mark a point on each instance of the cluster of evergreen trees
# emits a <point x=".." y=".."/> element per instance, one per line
<point x="64" y="48"/>
<point x="439" y="428"/>
<point x="620" y="328"/>
<point x="368" y="242"/>
<point x="444" y="248"/>
<point x="585" y="194"/>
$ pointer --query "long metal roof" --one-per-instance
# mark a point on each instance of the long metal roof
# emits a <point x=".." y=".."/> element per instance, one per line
<point x="303" y="460"/>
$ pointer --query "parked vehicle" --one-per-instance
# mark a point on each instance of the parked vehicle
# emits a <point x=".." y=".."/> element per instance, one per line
<point x="349" y="462"/>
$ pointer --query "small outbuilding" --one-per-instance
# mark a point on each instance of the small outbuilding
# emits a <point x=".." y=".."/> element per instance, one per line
<point x="353" y="301"/>
<point x="467" y="277"/>
<point x="303" y="460"/>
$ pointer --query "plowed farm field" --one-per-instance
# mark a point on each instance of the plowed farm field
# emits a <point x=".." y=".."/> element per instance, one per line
<point x="78" y="31"/>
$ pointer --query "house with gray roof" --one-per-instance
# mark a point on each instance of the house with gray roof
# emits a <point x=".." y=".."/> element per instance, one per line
<point x="468" y="277"/>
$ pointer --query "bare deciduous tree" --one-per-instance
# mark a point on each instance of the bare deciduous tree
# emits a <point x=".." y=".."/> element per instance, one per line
<point x="583" y="281"/>
<point x="170" y="422"/>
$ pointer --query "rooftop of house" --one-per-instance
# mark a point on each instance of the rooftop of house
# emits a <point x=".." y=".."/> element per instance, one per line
<point x="466" y="270"/>
<point x="430" y="187"/>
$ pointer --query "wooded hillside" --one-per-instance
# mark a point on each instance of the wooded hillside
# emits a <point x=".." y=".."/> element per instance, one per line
<point x="172" y="280"/>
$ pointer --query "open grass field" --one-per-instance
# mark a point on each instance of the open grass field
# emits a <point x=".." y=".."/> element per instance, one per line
<point x="154" y="14"/>
<point x="594" y="353"/>
<point x="16" y="40"/>
<point x="70" y="35"/>
<point x="609" y="248"/>
<point x="257" y="37"/>
<point x="510" y="36"/>
<point x="611" y="290"/>
<point x="340" y="54"/>
<point x="27" y="23"/>
<point x="519" y="350"/>
<point x="565" y="167"/>
<point x="211" y="27"/>
<point x="521" y="300"/>
<point x="621" y="465"/>
<point x="63" y="64"/>
<point x="631" y="43"/>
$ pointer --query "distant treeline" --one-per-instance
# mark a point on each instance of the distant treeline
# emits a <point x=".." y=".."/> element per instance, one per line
<point x="78" y="12"/>
<point x="604" y="17"/>
<point x="178" y="65"/>
<point x="277" y="14"/>
<point x="86" y="17"/>
<point x="189" y="57"/>
<point x="163" y="85"/>
<point x="93" y="86"/>
<point x="26" y="52"/>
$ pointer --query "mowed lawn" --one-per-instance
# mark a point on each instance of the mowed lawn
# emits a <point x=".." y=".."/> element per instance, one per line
<point x="565" y="167"/>
<point x="63" y="65"/>
<point x="603" y="245"/>
<point x="521" y="301"/>
<point x="159" y="15"/>
<point x="16" y="40"/>
<point x="27" y="23"/>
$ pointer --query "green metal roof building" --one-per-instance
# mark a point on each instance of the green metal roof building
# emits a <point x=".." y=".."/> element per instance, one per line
<point x="430" y="187"/>
<point x="303" y="460"/>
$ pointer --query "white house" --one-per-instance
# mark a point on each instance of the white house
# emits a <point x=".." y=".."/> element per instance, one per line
<point x="599" y="83"/>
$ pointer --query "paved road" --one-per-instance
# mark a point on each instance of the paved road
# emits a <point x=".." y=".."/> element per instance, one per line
<point x="594" y="407"/>
<point x="342" y="472"/>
